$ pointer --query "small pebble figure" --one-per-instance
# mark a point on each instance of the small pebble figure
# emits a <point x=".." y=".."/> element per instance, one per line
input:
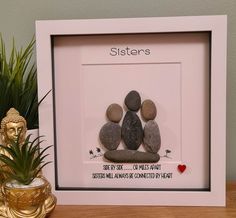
<point x="132" y="130"/>
<point x="152" y="137"/>
<point x="110" y="133"/>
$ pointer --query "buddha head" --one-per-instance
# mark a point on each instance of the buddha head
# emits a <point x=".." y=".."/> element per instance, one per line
<point x="11" y="126"/>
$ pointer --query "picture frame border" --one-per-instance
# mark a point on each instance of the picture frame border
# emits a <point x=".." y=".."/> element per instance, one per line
<point x="217" y="26"/>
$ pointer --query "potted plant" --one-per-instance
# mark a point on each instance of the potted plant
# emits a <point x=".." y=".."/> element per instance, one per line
<point x="24" y="191"/>
<point x="18" y="83"/>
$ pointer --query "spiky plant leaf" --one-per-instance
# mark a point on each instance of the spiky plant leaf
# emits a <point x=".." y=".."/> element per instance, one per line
<point x="18" y="82"/>
<point x="23" y="162"/>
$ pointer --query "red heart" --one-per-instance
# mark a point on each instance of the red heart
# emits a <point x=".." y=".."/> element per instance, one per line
<point x="181" y="168"/>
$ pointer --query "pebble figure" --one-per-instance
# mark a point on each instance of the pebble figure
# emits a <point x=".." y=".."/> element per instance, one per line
<point x="152" y="137"/>
<point x="110" y="133"/>
<point x="132" y="130"/>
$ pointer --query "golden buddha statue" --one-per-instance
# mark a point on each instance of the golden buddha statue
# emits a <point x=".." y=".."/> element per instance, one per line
<point x="14" y="127"/>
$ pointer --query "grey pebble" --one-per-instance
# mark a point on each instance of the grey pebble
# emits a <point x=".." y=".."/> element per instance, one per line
<point x="110" y="135"/>
<point x="152" y="137"/>
<point x="132" y="131"/>
<point x="131" y="156"/>
<point x="133" y="101"/>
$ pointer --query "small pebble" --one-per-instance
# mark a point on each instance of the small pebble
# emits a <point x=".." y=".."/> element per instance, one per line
<point x="152" y="137"/>
<point x="132" y="131"/>
<point x="133" y="101"/>
<point x="114" y="113"/>
<point x="110" y="135"/>
<point x="148" y="110"/>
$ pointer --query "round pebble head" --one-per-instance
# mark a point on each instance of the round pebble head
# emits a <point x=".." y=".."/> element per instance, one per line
<point x="148" y="110"/>
<point x="114" y="113"/>
<point x="133" y="101"/>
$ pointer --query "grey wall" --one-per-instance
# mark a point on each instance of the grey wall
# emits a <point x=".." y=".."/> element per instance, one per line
<point x="17" y="18"/>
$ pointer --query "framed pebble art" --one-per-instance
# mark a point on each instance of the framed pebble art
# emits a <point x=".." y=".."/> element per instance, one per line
<point x="137" y="109"/>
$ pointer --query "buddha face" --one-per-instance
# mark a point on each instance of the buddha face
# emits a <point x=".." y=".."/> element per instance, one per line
<point x="13" y="126"/>
<point x="12" y="131"/>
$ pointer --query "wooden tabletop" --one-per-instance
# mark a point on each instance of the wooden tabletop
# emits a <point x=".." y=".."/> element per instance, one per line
<point x="151" y="211"/>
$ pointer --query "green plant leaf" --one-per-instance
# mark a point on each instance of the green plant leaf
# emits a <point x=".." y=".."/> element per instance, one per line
<point x="25" y="161"/>
<point x="18" y="82"/>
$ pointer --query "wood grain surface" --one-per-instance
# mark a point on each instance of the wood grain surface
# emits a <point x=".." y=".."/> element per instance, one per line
<point x="151" y="211"/>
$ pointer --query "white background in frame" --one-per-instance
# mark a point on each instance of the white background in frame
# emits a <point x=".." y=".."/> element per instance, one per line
<point x="170" y="69"/>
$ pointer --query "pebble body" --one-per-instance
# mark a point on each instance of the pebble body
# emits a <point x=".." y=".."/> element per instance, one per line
<point x="131" y="156"/>
<point x="148" y="110"/>
<point x="114" y="113"/>
<point x="133" y="101"/>
<point x="132" y="131"/>
<point x="152" y="137"/>
<point x="110" y="135"/>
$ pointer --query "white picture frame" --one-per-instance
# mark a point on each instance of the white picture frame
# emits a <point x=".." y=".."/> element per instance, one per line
<point x="61" y="43"/>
